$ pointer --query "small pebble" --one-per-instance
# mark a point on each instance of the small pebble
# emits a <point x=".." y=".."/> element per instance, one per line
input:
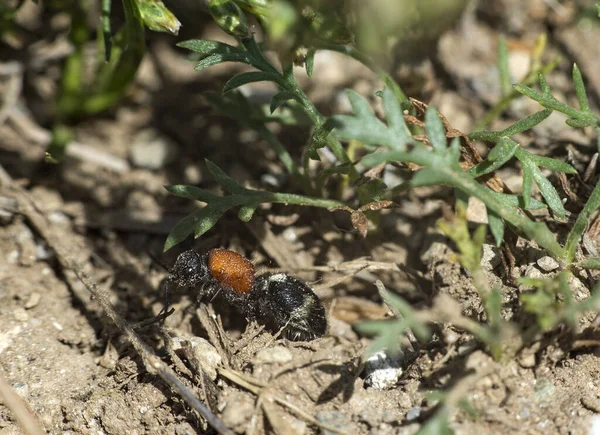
<point x="547" y="264"/>
<point x="205" y="353"/>
<point x="271" y="355"/>
<point x="20" y="314"/>
<point x="33" y="300"/>
<point x="527" y="361"/>
<point x="382" y="370"/>
<point x="151" y="150"/>
<point x="413" y="413"/>
<point x="532" y="272"/>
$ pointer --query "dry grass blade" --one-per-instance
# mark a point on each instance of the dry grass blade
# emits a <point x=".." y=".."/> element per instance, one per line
<point x="19" y="409"/>
<point x="256" y="387"/>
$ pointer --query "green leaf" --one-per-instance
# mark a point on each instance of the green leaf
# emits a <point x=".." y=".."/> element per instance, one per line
<point x="217" y="58"/>
<point x="428" y="177"/>
<point x="584" y="104"/>
<point x="247" y="211"/>
<point x="437" y="425"/>
<point x="395" y="118"/>
<point x="435" y="130"/>
<point x="225" y="181"/>
<point x="554" y="164"/>
<point x="528" y="168"/>
<point x="582" y="223"/>
<point x="190" y="192"/>
<point x="453" y="152"/>
<point x="496" y="225"/>
<point x="157" y="17"/>
<point x="248" y="77"/>
<point x="548" y="192"/>
<point x="207" y="220"/>
<point x="182" y="230"/>
<point x="377" y="158"/>
<point x="517" y="201"/>
<point x="206" y="47"/>
<point x="544" y="84"/>
<point x="580" y="123"/>
<point x="590" y="263"/>
<point x="503" y="69"/>
<point x="502" y="152"/>
<point x="280" y="98"/>
<point x="365" y="127"/>
<point x="526" y="123"/>
<point x="309" y="63"/>
<point x="528" y="92"/>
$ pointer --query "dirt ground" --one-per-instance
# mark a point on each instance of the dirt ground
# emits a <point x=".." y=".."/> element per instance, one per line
<point x="105" y="205"/>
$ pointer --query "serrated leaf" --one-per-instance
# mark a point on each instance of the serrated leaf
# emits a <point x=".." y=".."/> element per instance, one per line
<point x="435" y="130"/>
<point x="280" y="98"/>
<point x="248" y="77"/>
<point x="365" y="127"/>
<point x="225" y="181"/>
<point x="217" y="58"/>
<point x="207" y="47"/>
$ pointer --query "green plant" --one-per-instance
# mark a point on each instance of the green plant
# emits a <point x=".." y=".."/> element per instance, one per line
<point x="118" y="58"/>
<point x="248" y="200"/>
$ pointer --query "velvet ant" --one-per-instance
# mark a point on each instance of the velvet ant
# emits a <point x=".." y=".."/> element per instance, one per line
<point x="279" y="300"/>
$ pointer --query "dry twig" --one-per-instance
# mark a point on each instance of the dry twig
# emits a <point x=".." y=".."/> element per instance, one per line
<point x="152" y="363"/>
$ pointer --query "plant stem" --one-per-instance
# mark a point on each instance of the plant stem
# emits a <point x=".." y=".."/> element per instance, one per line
<point x="318" y="120"/>
<point x="291" y="198"/>
<point x="581" y="224"/>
